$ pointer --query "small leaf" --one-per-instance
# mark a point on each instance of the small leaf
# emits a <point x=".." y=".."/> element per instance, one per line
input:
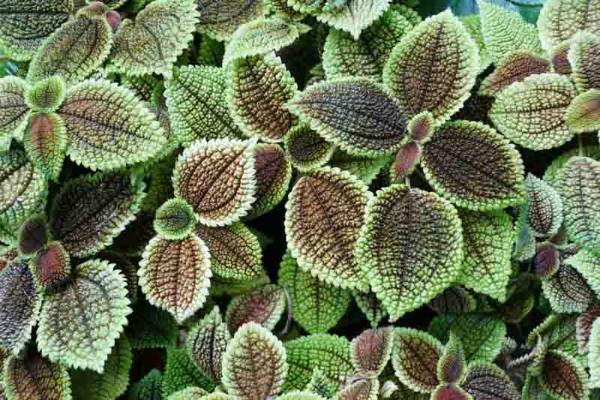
<point x="560" y="59"/>
<point x="35" y="377"/>
<point x="273" y="176"/>
<point x="217" y="178"/>
<point x="562" y="377"/>
<point x="108" y="127"/>
<point x="441" y="44"/>
<point x="354" y="15"/>
<point x="321" y="384"/>
<point x="254" y="346"/>
<point x="307" y="149"/>
<point x="449" y="392"/>
<point x="79" y="325"/>
<point x="149" y="387"/>
<point x="415" y="356"/>
<point x="46" y="142"/>
<point x="263" y="306"/>
<point x="407" y="227"/>
<point x="363" y="389"/>
<point x="90" y="211"/>
<point x="371" y="351"/>
<point x="151" y="328"/>
<point x="547" y="262"/>
<point x="258" y="89"/>
<point x="407" y="159"/>
<point x="583" y="114"/>
<point x="353" y="113"/>
<point x="220" y="18"/>
<point x="175" y="219"/>
<point x="488" y="382"/>
<point x="325" y="212"/>
<point x="52" y="266"/>
<point x="370" y="306"/>
<point x="46" y="95"/>
<point x="175" y="275"/>
<point x="583" y="55"/>
<point x="33" y="235"/>
<point x="544" y="209"/>
<point x="181" y="372"/>
<point x="14" y="110"/>
<point x="505" y="31"/>
<point x="151" y="43"/>
<point x="455" y="299"/>
<point x="532" y="112"/>
<point x="451" y="367"/>
<point x="559" y="20"/>
<point x="317" y="306"/>
<point x="567" y="291"/>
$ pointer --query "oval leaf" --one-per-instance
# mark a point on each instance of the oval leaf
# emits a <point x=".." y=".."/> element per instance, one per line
<point x="263" y="306"/>
<point x="273" y="176"/>
<point x="544" y="209"/>
<point x="307" y="149"/>
<point x="220" y="18"/>
<point x="13" y="108"/>
<point x="35" y="377"/>
<point x="371" y="351"/>
<point x="489" y="382"/>
<point x="562" y="377"/>
<point x="46" y="141"/>
<point x="583" y="55"/>
<point x="415" y="357"/>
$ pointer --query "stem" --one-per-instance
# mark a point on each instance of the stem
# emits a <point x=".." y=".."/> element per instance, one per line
<point x="407" y="181"/>
<point x="580" y="144"/>
<point x="288" y="322"/>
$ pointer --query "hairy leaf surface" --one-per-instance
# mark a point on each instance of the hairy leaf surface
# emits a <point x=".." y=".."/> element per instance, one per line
<point x="559" y="20"/>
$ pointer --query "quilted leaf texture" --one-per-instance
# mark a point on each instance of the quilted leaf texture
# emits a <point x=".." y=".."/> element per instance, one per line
<point x="175" y="275"/>
<point x="567" y="291"/>
<point x="13" y="107"/>
<point x="52" y="266"/>
<point x="47" y="94"/>
<point x="532" y="112"/>
<point x="149" y="387"/>
<point x="90" y="211"/>
<point x="217" y="177"/>
<point x="220" y="18"/>
<point x="254" y="364"/>
<point x="273" y="175"/>
<point x="21" y="302"/>
<point x="370" y="306"/>
<point x="151" y="43"/>
<point x="560" y="19"/>
<point x="583" y="114"/>
<point x="583" y="326"/>
<point x="180" y="373"/>
<point x="300" y="395"/>
<point x="79" y="325"/>
<point x="415" y="357"/>
<point x="354" y="15"/>
<point x="363" y="389"/>
<point x="151" y="328"/>
<point x="455" y="299"/>
<point x="108" y="127"/>
<point x="263" y="306"/>
<point x="451" y="367"/>
<point x="45" y="140"/>
<point x="307" y="149"/>
<point x="583" y="56"/>
<point x="562" y="377"/>
<point x="364" y="168"/>
<point x="433" y="68"/>
<point x="544" y="209"/>
<point x="371" y="351"/>
<point x="324" y="215"/>
<point x="25" y="24"/>
<point x="317" y="306"/>
<point x="594" y="355"/>
<point x="175" y="219"/>
<point x="411" y="247"/>
<point x="33" y="235"/>
<point x="489" y="382"/>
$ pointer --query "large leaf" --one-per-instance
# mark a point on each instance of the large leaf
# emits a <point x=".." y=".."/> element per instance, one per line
<point x="263" y="306"/>
<point x="584" y="54"/>
<point x="273" y="176"/>
<point x="410" y="247"/>
<point x="561" y="19"/>
<point x="34" y="377"/>
<point x="220" y="18"/>
<point x="415" y="357"/>
<point x="13" y="108"/>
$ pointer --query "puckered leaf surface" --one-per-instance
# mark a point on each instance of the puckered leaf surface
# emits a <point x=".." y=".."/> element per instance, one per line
<point x="415" y="357"/>
<point x="455" y="299"/>
<point x="307" y="149"/>
<point x="13" y="108"/>
<point x="562" y="377"/>
<point x="45" y="140"/>
<point x="371" y="351"/>
<point x="544" y="209"/>
<point x="220" y="18"/>
<point x="180" y="373"/>
<point x="370" y="306"/>
<point x="263" y="306"/>
<point x="559" y="20"/>
<point x="363" y="389"/>
<point x="47" y="94"/>
<point x="489" y="382"/>
<point x="175" y="219"/>
<point x="273" y="175"/>
<point x="354" y="15"/>
<point x="587" y="264"/>
<point x="583" y="56"/>
<point x="151" y="328"/>
<point x="583" y="114"/>
<point x="567" y="290"/>
<point x="594" y="355"/>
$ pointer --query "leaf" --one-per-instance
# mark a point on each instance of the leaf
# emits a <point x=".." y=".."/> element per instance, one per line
<point x="79" y="325"/>
<point x="112" y="382"/>
<point x="151" y="328"/>
<point x="414" y="357"/>
<point x="405" y="228"/>
<point x="583" y="328"/>
<point x="581" y="194"/>
<point x="21" y="301"/>
<point x="324" y="214"/>
<point x="151" y="43"/>
<point x="220" y="18"/>
<point x="258" y="89"/>
<point x="73" y="51"/>
<point x="547" y="262"/>
<point x="46" y="141"/>
<point x="149" y="387"/>
<point x="562" y="377"/>
<point x="583" y="113"/>
<point x="544" y="209"/>
<point x="307" y="149"/>
<point x="26" y="23"/>
<point x="452" y="366"/>
<point x="189" y="393"/>
<point x="557" y="332"/>
<point x="273" y="176"/>
<point x="181" y="372"/>
<point x="363" y="389"/>
<point x="206" y="344"/>
<point x="52" y="266"/>
<point x="320" y="384"/>
<point x="90" y="211"/>
<point x="254" y="364"/>
<point x="441" y="44"/>
<point x="108" y="127"/>
<point x="505" y="31"/>
<point x="300" y="395"/>
<point x="317" y="306"/>
<point x="455" y="159"/>
<point x="488" y="243"/>
<point x="481" y="336"/>
<point x="175" y="219"/>
<point x="364" y="168"/>
<point x="46" y="95"/>
<point x="513" y="67"/>
<point x="217" y="178"/>
<point x="488" y="382"/>
<point x="567" y="291"/>
<point x="33" y="236"/>
<point x="354" y="16"/>
<point x="583" y="56"/>
<point x="353" y="113"/>
<point x="370" y="306"/>
<point x="14" y="111"/>
<point x="175" y="275"/>
<point x="455" y="299"/>
<point x="531" y="113"/>
<point x="371" y="351"/>
<point x="35" y="377"/>
<point x="594" y="356"/>
<point x="472" y="23"/>
<point x="560" y="19"/>
<point x="263" y="306"/>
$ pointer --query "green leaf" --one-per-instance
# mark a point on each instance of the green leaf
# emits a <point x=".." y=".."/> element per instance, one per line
<point x="151" y="43"/>
<point x="14" y="110"/>
<point x="151" y="328"/>
<point x="441" y="44"/>
<point x="371" y="351"/>
<point x="544" y="209"/>
<point x="263" y="306"/>
<point x="320" y="384"/>
<point x="24" y="24"/>
<point x="456" y="299"/>
<point x="489" y="382"/>
<point x="407" y="227"/>
<point x="567" y="291"/>
<point x="370" y="306"/>
<point x="189" y="393"/>
<point x="300" y="395"/>
<point x="455" y="161"/>
<point x="34" y="377"/>
<point x="254" y="364"/>
<point x="505" y="31"/>
<point x="175" y="219"/>
<point x="531" y="113"/>
<point x="583" y="328"/>
<point x="149" y="387"/>
<point x="181" y="372"/>
<point x="560" y="19"/>
<point x="324" y="214"/>
<point x="217" y="178"/>
<point x="583" y="114"/>
<point x="594" y="355"/>
<point x="488" y="243"/>
<point x="363" y="389"/>
<point x="472" y="23"/>
<point x="557" y="332"/>
<point x="79" y="325"/>
<point x="317" y="306"/>
<point x="562" y="377"/>
<point x="452" y="367"/>
<point x="273" y="176"/>
<point x="73" y="51"/>
<point x="583" y="57"/>
<point x="587" y="264"/>
<point x="353" y="16"/>
<point x="46" y="95"/>
<point x="307" y="149"/>
<point x="364" y="168"/>
<point x="108" y="127"/>
<point x="45" y="140"/>
<point x="175" y="275"/>
<point x="90" y="211"/>
<point x="259" y="87"/>
<point x="21" y="301"/>
<point x="220" y="18"/>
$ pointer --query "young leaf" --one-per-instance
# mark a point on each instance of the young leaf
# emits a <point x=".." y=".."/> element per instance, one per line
<point x="567" y="291"/>
<point x="307" y="149"/>
<point x="21" y="301"/>
<point x="489" y="382"/>
<point x="254" y="364"/>
<point x="562" y="377"/>
<point x="353" y="113"/>
<point x="546" y="261"/>
<point x="559" y="20"/>
<point x="217" y="178"/>
<point x="452" y="367"/>
<point x="583" y="56"/>
<point x="90" y="211"/>
<point x="190" y="393"/>
<point x="560" y="59"/>
<point x="363" y="389"/>
<point x="472" y="23"/>
<point x="46" y="141"/>
<point x="414" y="357"/>
<point x="149" y="387"/>
<point x="52" y="266"/>
<point x="317" y="306"/>
<point x="14" y="110"/>
<point x="273" y="176"/>
<point x="544" y="209"/>
<point x="433" y="68"/>
<point x="175" y="275"/>
<point x="220" y="18"/>
<point x="46" y="95"/>
<point x="79" y="325"/>
<point x="33" y="235"/>
<point x="175" y="219"/>
<point x="455" y="299"/>
<point x="407" y="227"/>
<point x="449" y="392"/>
<point x="258" y="89"/>
<point x="181" y="372"/>
<point x="583" y="114"/>
<point x="531" y="113"/>
<point x="370" y="306"/>
<point x="151" y="328"/>
<point x="325" y="212"/>
<point x="151" y="43"/>
<point x="263" y="306"/>
<point x="108" y="127"/>
<point x="371" y="351"/>
<point x="320" y="384"/>
<point x="505" y="31"/>
<point x="353" y="16"/>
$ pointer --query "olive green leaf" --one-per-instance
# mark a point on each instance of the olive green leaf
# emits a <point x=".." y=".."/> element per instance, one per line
<point x="321" y="384"/>
<point x="415" y="356"/>
<point x="220" y="18"/>
<point x="353" y="16"/>
<point x="583" y="114"/>
<point x="567" y="291"/>
<point x="559" y="20"/>
<point x="544" y="209"/>
<point x="562" y="377"/>
<point x="456" y="299"/>
<point x="46" y="95"/>
<point x="149" y="387"/>
<point x="583" y="56"/>
<point x="14" y="110"/>
<point x="150" y="327"/>
<point x="175" y="219"/>
<point x="180" y="373"/>
<point x="300" y="395"/>
<point x="273" y="175"/>
<point x="307" y="149"/>
<point x="364" y="168"/>
<point x="45" y="141"/>
<point x="190" y="393"/>
<point x="263" y="306"/>
<point x="370" y="306"/>
<point x="407" y="227"/>
<point x="583" y="328"/>
<point x="371" y="351"/>
<point x="488" y="381"/>
<point x="587" y="264"/>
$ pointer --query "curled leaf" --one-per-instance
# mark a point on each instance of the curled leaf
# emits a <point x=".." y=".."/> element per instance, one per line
<point x="263" y="306"/>
<point x="307" y="149"/>
<point x="415" y="356"/>
<point x="407" y="159"/>
<point x="559" y="20"/>
<point x="273" y="176"/>
<point x="46" y="142"/>
<point x="175" y="219"/>
<point x="488" y="382"/>
<point x="371" y="351"/>
<point x="35" y="377"/>
<point x="583" y="56"/>
<point x="46" y="95"/>
<point x="544" y="209"/>
<point x="583" y="114"/>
